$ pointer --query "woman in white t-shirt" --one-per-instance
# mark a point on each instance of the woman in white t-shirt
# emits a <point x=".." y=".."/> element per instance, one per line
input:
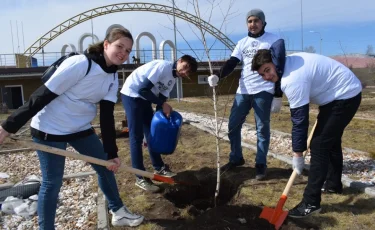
<point x="312" y="78"/>
<point x="62" y="110"/>
<point x="150" y="84"/>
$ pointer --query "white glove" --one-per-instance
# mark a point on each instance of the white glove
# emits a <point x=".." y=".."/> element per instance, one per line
<point x="213" y="80"/>
<point x="298" y="163"/>
<point x="276" y="104"/>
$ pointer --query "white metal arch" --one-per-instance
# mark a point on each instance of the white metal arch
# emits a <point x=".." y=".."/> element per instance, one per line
<point x="71" y="46"/>
<point x="173" y="50"/>
<point x="153" y="40"/>
<point x="112" y="27"/>
<point x="122" y="7"/>
<point x="82" y="38"/>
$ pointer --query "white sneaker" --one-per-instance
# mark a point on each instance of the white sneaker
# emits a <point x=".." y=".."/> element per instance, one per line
<point x="123" y="217"/>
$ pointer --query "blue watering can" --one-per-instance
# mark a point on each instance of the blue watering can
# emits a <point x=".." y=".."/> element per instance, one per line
<point x="165" y="132"/>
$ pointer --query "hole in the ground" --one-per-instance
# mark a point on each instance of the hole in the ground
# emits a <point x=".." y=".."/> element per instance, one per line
<point x="201" y="196"/>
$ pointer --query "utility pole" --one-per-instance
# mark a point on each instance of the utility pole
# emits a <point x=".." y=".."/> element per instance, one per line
<point x="23" y="36"/>
<point x="320" y="36"/>
<point x="92" y="32"/>
<point x="43" y="55"/>
<point x="175" y="47"/>
<point x="18" y="39"/>
<point x="11" y="31"/>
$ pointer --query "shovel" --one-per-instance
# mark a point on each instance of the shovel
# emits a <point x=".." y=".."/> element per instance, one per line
<point x="276" y="216"/>
<point x="170" y="180"/>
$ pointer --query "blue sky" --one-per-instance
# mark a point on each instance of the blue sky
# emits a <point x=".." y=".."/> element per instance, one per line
<point x="345" y="26"/>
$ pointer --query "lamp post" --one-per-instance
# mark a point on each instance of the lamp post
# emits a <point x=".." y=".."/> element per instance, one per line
<point x="312" y="31"/>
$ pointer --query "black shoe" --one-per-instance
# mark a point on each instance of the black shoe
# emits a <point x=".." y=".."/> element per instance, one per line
<point x="231" y="165"/>
<point x="331" y="190"/>
<point x="260" y="171"/>
<point x="303" y="210"/>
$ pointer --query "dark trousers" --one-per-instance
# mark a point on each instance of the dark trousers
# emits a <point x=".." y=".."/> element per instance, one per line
<point x="139" y="114"/>
<point x="326" y="151"/>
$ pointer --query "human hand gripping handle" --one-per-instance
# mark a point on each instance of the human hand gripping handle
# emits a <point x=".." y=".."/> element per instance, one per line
<point x="213" y="80"/>
<point x="167" y="109"/>
<point x="276" y="104"/>
<point x="114" y="167"/>
<point x="3" y="134"/>
<point x="298" y="163"/>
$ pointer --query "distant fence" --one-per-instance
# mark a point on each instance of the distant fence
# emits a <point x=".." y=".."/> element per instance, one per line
<point x="47" y="58"/>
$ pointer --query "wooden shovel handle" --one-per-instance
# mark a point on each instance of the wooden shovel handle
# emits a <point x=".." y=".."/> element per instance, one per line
<point x="294" y="174"/>
<point x="61" y="152"/>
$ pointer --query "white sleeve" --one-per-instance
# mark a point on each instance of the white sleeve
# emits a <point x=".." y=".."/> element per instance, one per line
<point x="237" y="52"/>
<point x="298" y="93"/>
<point x="68" y="74"/>
<point x="155" y="73"/>
<point x="112" y="94"/>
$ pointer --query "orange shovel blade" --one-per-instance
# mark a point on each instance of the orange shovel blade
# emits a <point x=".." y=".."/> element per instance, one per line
<point x="164" y="179"/>
<point x="273" y="216"/>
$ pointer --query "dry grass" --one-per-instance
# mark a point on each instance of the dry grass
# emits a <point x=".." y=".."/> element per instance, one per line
<point x="351" y="210"/>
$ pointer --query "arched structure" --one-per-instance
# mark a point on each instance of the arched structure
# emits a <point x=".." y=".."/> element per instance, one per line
<point x="123" y="7"/>
<point x="173" y="49"/>
<point x="137" y="48"/>
<point x="113" y="26"/>
<point x="82" y="38"/>
<point x="71" y="46"/>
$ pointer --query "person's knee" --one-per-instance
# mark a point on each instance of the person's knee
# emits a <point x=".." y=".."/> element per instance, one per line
<point x="51" y="186"/>
<point x="263" y="128"/>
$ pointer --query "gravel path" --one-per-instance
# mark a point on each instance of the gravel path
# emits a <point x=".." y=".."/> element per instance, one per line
<point x="77" y="199"/>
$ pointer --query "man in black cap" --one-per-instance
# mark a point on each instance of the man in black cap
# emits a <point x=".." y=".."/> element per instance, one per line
<point x="253" y="92"/>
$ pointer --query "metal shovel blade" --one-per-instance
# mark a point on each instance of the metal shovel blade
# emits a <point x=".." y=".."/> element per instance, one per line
<point x="273" y="216"/>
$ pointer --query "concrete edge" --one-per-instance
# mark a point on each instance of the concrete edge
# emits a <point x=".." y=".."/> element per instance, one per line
<point x="102" y="214"/>
<point x="357" y="185"/>
<point x="6" y="186"/>
<point x="77" y="175"/>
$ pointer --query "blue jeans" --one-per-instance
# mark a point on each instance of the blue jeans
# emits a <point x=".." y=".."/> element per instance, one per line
<point x="261" y="102"/>
<point x="52" y="167"/>
<point x="139" y="114"/>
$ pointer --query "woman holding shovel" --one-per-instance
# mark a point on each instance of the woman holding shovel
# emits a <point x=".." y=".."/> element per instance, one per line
<point x="61" y="112"/>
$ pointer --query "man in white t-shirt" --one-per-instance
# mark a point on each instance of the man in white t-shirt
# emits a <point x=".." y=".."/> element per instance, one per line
<point x="312" y="78"/>
<point x="150" y="84"/>
<point x="253" y="92"/>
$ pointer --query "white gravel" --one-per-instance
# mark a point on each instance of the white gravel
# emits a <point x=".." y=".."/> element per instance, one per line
<point x="77" y="199"/>
<point x="357" y="165"/>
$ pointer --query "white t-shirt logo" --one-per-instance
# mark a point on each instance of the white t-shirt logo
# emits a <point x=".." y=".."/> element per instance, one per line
<point x="169" y="82"/>
<point x="254" y="43"/>
<point x="161" y="86"/>
<point x="249" y="53"/>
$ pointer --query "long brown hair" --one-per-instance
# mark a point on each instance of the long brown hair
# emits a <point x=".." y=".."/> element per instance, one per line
<point x="112" y="36"/>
